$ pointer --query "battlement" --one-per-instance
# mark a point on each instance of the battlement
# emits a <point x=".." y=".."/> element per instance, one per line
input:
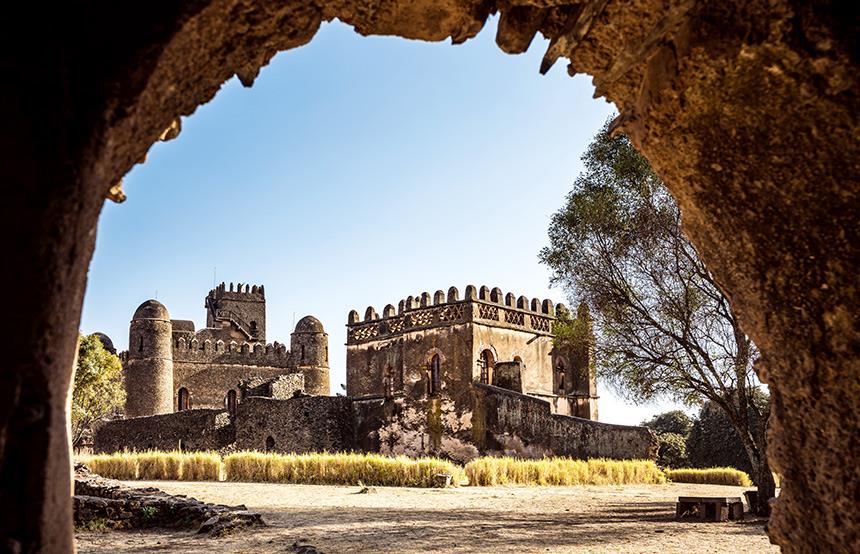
<point x="485" y="306"/>
<point x="243" y="291"/>
<point x="232" y="352"/>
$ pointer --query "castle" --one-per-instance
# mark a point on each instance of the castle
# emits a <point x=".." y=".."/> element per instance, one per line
<point x="438" y="375"/>
<point x="170" y="367"/>
<point x="440" y="345"/>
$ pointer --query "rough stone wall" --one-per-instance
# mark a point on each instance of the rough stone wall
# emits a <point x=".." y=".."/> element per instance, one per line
<point x="188" y="429"/>
<point x="300" y="425"/>
<point x="504" y="422"/>
<point x="208" y="384"/>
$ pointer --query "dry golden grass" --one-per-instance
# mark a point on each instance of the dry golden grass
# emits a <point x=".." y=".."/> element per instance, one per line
<point x="121" y="465"/>
<point x="562" y="472"/>
<point x="156" y="465"/>
<point x="338" y="469"/>
<point x="710" y="476"/>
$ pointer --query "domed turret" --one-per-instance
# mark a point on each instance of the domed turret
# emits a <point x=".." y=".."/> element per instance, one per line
<point x="309" y="348"/>
<point x="149" y="367"/>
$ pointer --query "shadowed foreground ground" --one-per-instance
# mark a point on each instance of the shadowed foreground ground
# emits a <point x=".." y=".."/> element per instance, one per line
<point x="479" y="519"/>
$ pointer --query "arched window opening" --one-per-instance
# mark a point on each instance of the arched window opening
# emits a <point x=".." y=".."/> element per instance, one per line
<point x="232" y="402"/>
<point x="183" y="401"/>
<point x="388" y="382"/>
<point x="253" y="328"/>
<point x="270" y="443"/>
<point x="434" y="375"/>
<point x="559" y="369"/>
<point x="487" y="361"/>
<point x="140" y="345"/>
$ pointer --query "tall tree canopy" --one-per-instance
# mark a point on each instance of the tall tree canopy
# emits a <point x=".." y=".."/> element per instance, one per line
<point x="663" y="326"/>
<point x="98" y="389"/>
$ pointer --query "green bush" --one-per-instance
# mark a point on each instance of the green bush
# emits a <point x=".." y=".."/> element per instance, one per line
<point x="672" y="450"/>
<point x="675" y="421"/>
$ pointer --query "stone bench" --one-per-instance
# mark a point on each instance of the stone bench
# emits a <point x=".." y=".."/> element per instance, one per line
<point x="709" y="508"/>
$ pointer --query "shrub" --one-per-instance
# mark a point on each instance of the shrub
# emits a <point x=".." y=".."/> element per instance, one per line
<point x="672" y="451"/>
<point x="674" y="421"/>
<point x="491" y="471"/>
<point x="338" y="469"/>
<point x="710" y="476"/>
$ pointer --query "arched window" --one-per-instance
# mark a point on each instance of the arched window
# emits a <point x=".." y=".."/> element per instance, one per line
<point x="183" y="401"/>
<point x="559" y="369"/>
<point x="232" y="402"/>
<point x="487" y="361"/>
<point x="270" y="443"/>
<point x="253" y="328"/>
<point x="388" y="382"/>
<point x="140" y="345"/>
<point x="434" y="375"/>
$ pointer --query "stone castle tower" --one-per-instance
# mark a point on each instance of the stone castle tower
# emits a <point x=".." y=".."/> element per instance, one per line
<point x="149" y="365"/>
<point x="243" y="310"/>
<point x="171" y="366"/>
<point x="309" y="347"/>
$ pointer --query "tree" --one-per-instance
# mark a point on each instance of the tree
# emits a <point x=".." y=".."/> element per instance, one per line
<point x="713" y="440"/>
<point x="98" y="389"/>
<point x="663" y="326"/>
<point x="674" y="421"/>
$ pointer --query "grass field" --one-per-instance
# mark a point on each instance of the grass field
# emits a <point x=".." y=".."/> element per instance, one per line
<point x="710" y="476"/>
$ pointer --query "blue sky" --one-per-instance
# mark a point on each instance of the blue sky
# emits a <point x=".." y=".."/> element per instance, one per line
<point x="356" y="171"/>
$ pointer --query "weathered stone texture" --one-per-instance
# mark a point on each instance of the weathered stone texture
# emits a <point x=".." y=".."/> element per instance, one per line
<point x="300" y="425"/>
<point x="202" y="429"/>
<point x="120" y="507"/>
<point x="513" y="424"/>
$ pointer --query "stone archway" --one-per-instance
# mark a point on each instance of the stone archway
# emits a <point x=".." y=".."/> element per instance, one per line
<point x="747" y="109"/>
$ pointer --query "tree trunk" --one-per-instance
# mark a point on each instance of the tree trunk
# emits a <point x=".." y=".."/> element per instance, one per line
<point x="766" y="489"/>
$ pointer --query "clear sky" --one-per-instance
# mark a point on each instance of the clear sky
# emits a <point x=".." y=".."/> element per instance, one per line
<point x="356" y="171"/>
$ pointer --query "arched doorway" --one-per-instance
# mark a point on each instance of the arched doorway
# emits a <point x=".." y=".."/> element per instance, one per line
<point x="270" y="443"/>
<point x="183" y="400"/>
<point x="232" y="402"/>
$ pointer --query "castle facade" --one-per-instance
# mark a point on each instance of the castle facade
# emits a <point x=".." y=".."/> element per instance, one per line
<point x="171" y="367"/>
<point x="437" y="375"/>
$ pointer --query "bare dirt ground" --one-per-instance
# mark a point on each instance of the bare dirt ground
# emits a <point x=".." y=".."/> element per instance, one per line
<point x="468" y="519"/>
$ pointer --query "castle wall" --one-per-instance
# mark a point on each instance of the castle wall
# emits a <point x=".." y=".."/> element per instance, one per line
<point x="300" y="425"/>
<point x="189" y="430"/>
<point x="504" y="422"/>
<point x="535" y="351"/>
<point x="406" y="360"/>
<point x="208" y="383"/>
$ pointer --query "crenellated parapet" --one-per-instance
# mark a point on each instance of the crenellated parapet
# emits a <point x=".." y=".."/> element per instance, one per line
<point x="239" y="291"/>
<point x="231" y="352"/>
<point x="423" y="311"/>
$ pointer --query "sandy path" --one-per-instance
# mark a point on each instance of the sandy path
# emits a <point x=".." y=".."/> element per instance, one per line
<point x="469" y="519"/>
